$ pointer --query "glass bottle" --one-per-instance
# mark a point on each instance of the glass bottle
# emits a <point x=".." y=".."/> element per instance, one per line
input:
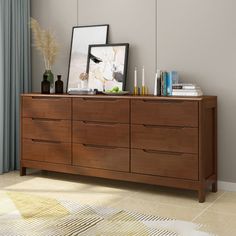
<point x="59" y="85"/>
<point x="50" y="77"/>
<point x="45" y="85"/>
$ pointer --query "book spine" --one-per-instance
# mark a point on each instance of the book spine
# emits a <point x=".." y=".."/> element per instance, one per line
<point x="175" y="77"/>
<point x="169" y="81"/>
<point x="161" y="83"/>
<point x="185" y="86"/>
<point x="177" y="86"/>
<point x="176" y="93"/>
<point x="158" y="86"/>
<point x="164" y="83"/>
<point x="155" y="85"/>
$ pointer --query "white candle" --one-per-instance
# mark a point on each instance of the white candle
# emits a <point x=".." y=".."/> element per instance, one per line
<point x="135" y="78"/>
<point x="143" y="77"/>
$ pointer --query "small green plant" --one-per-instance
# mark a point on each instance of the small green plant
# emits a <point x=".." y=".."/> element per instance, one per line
<point x="114" y="90"/>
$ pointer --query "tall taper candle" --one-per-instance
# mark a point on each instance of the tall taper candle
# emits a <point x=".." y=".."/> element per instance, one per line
<point x="135" y="82"/>
<point x="143" y="77"/>
<point x="135" y="77"/>
<point x="143" y="82"/>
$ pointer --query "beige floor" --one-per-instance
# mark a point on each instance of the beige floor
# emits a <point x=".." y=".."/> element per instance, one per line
<point x="218" y="213"/>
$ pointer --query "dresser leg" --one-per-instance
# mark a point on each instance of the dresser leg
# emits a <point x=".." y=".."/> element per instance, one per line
<point x="214" y="187"/>
<point x="22" y="171"/>
<point x="201" y="195"/>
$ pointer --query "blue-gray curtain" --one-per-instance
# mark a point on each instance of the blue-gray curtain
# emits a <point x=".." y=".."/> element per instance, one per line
<point x="15" y="76"/>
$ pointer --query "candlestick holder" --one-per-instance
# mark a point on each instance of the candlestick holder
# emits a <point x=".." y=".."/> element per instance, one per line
<point x="136" y="90"/>
<point x="143" y="90"/>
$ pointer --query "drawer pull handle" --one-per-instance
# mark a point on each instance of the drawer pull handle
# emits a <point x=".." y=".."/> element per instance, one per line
<point x="99" y="123"/>
<point x="98" y="146"/>
<point x="161" y="101"/>
<point x="46" y="119"/>
<point x="152" y="126"/>
<point x="46" y="98"/>
<point x="44" y="141"/>
<point x="163" y="152"/>
<point x="100" y="99"/>
<point x="166" y="127"/>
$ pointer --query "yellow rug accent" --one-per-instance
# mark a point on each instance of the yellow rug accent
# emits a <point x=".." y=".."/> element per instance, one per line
<point x="31" y="206"/>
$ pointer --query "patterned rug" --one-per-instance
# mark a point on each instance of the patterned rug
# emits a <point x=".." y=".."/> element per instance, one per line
<point x="30" y="215"/>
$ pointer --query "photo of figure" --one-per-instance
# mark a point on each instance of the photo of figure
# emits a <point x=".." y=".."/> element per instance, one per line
<point x="107" y="66"/>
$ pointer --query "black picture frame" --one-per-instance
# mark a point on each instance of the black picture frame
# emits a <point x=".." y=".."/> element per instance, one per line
<point x="126" y="56"/>
<point x="71" y="47"/>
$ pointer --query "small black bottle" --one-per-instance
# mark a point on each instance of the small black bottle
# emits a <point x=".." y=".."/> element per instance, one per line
<point x="59" y="85"/>
<point x="45" y="85"/>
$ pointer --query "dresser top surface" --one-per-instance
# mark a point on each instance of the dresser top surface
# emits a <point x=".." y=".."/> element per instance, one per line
<point x="151" y="97"/>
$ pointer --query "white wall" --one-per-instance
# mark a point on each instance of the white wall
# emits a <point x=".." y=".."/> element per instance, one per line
<point x="131" y="21"/>
<point x="195" y="37"/>
<point x="198" y="38"/>
<point x="59" y="16"/>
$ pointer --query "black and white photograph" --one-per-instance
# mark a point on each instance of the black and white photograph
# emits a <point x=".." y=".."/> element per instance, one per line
<point x="107" y="67"/>
<point x="82" y="37"/>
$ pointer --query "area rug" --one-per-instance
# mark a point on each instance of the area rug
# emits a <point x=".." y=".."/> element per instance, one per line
<point x="32" y="215"/>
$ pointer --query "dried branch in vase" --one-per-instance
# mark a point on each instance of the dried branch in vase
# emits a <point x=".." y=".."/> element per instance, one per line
<point x="45" y="43"/>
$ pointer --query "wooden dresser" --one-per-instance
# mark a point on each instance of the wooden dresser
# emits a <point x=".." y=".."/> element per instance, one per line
<point x="168" y="141"/>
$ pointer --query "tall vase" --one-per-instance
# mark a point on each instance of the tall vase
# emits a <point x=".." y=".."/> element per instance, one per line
<point x="50" y="77"/>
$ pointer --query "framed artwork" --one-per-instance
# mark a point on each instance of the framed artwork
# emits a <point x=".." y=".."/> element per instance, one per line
<point x="107" y="66"/>
<point x="82" y="37"/>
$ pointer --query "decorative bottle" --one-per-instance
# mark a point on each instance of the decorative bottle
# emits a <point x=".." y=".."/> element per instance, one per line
<point x="59" y="85"/>
<point x="45" y="85"/>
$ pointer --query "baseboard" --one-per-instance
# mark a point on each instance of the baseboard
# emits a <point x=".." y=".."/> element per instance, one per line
<point x="227" y="186"/>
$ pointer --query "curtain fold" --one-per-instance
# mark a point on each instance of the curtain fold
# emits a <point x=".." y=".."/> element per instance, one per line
<point x="15" y="76"/>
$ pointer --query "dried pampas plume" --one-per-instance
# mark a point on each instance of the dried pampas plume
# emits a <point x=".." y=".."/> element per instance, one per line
<point x="45" y="42"/>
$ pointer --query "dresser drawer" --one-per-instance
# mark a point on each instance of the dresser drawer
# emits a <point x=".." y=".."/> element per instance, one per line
<point x="168" y="112"/>
<point x="104" y="110"/>
<point x="174" y="139"/>
<point x="47" y="107"/>
<point x="46" y="151"/>
<point x="43" y="129"/>
<point x="101" y="157"/>
<point x="107" y="134"/>
<point x="175" y="165"/>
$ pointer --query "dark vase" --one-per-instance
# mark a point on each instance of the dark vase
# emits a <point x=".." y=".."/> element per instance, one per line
<point x="45" y="85"/>
<point x="50" y="78"/>
<point x="59" y="85"/>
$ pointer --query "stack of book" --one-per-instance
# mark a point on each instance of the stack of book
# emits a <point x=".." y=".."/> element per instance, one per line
<point x="186" y="90"/>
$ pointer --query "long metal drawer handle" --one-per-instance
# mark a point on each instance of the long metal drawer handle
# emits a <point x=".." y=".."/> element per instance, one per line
<point x="46" y="98"/>
<point x="99" y="123"/>
<point x="44" y="141"/>
<point x="98" y="146"/>
<point x="161" y="101"/>
<point x="100" y="99"/>
<point x="163" y="152"/>
<point x="161" y="126"/>
<point x="46" y="119"/>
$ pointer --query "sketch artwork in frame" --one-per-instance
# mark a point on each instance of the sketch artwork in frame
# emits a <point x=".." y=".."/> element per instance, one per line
<point x="107" y="66"/>
<point x="82" y="37"/>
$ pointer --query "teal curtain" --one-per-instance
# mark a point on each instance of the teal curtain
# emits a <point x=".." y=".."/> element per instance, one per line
<point x="14" y="76"/>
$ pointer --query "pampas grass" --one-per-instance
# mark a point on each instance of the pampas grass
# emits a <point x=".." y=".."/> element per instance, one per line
<point x="45" y="43"/>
